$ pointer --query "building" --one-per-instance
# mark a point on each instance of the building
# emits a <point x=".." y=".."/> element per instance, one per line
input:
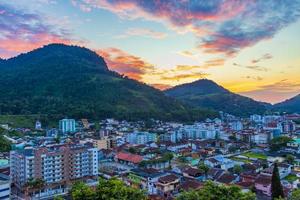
<point x="128" y="158"/>
<point x="166" y="185"/>
<point x="263" y="184"/>
<point x="201" y="131"/>
<point x="105" y="143"/>
<point x="288" y="126"/>
<point x="56" y="165"/>
<point x="141" y="137"/>
<point x="144" y="179"/>
<point x="256" y="118"/>
<point x="38" y="125"/>
<point x="4" y="187"/>
<point x="220" y="162"/>
<point x="67" y="125"/>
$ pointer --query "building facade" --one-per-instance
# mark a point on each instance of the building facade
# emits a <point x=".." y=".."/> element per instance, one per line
<point x="58" y="166"/>
<point x="67" y="125"/>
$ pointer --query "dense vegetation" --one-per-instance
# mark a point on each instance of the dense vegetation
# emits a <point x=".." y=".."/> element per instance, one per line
<point x="291" y="105"/>
<point x="112" y="189"/>
<point x="5" y="145"/>
<point x="276" y="187"/>
<point x="213" y="191"/>
<point x="59" y="80"/>
<point x="279" y="142"/>
<point x="207" y="94"/>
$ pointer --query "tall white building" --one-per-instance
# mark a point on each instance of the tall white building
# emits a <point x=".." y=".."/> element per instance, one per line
<point x="67" y="125"/>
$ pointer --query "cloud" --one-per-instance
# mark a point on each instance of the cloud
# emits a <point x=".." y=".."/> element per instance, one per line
<point x="266" y="56"/>
<point x="21" y="31"/>
<point x="275" y="92"/>
<point x="125" y="63"/>
<point x="257" y="78"/>
<point x="252" y="67"/>
<point x="214" y="63"/>
<point x="187" y="54"/>
<point x="224" y="27"/>
<point x="161" y="86"/>
<point x="182" y="77"/>
<point x="282" y="86"/>
<point x="144" y="33"/>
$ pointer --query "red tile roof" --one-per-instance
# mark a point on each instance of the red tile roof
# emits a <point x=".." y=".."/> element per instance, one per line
<point x="133" y="158"/>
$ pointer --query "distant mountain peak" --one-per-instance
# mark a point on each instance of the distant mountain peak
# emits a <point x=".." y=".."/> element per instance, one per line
<point x="201" y="86"/>
<point x="63" y="53"/>
<point x="208" y="94"/>
<point x="289" y="105"/>
<point x="60" y="80"/>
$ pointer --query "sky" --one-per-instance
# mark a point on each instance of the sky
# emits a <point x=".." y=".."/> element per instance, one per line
<point x="250" y="47"/>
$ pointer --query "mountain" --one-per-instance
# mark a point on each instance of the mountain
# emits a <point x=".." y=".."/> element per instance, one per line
<point x="205" y="93"/>
<point x="61" y="80"/>
<point x="291" y="105"/>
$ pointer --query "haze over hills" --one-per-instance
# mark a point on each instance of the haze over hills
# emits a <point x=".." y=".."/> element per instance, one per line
<point x="207" y="94"/>
<point x="289" y="105"/>
<point x="76" y="82"/>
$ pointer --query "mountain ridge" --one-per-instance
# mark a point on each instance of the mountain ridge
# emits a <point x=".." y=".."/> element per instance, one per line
<point x="63" y="80"/>
<point x="289" y="105"/>
<point x="206" y="93"/>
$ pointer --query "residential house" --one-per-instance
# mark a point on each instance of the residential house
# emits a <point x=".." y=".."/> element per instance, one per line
<point x="263" y="184"/>
<point x="144" y="179"/>
<point x="128" y="158"/>
<point x="193" y="173"/>
<point x="227" y="178"/>
<point x="167" y="185"/>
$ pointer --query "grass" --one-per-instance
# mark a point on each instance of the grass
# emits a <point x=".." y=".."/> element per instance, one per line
<point x="15" y="121"/>
<point x="25" y="121"/>
<point x="240" y="159"/>
<point x="255" y="155"/>
<point x="291" y="178"/>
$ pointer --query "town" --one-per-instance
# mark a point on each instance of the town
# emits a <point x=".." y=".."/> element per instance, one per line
<point x="163" y="159"/>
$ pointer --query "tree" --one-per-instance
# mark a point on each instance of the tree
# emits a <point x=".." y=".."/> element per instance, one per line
<point x="276" y="187"/>
<point x="213" y="191"/>
<point x="5" y="145"/>
<point x="57" y="139"/>
<point x="132" y="150"/>
<point x="34" y="184"/>
<point x="112" y="189"/>
<point x="168" y="156"/>
<point x="203" y="168"/>
<point x="278" y="142"/>
<point x="237" y="169"/>
<point x="115" y="189"/>
<point x="232" y="137"/>
<point x="290" y="158"/>
<point x="295" y="195"/>
<point x="81" y="191"/>
<point x="232" y="149"/>
<point x="58" y="198"/>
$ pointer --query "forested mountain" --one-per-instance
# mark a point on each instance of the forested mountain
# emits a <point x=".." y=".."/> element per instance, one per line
<point x="290" y="105"/>
<point x="207" y="94"/>
<point x="62" y="80"/>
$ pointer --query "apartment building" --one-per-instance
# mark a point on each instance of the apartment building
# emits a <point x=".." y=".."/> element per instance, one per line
<point x="55" y="165"/>
<point x="141" y="137"/>
<point x="67" y="125"/>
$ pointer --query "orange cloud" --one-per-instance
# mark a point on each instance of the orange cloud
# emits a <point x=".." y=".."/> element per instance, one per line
<point x="181" y="77"/>
<point x="275" y="92"/>
<point x="161" y="86"/>
<point x="125" y="63"/>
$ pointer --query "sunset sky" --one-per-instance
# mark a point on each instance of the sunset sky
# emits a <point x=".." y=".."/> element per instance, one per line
<point x="251" y="47"/>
